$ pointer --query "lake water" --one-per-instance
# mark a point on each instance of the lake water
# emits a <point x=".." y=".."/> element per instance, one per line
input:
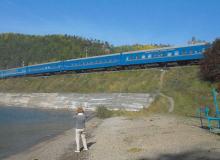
<point x="21" y="128"/>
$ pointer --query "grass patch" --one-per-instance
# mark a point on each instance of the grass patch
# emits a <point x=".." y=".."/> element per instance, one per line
<point x="102" y="112"/>
<point x="183" y="84"/>
<point x="160" y="105"/>
<point x="138" y="81"/>
<point x="187" y="89"/>
<point x="134" y="150"/>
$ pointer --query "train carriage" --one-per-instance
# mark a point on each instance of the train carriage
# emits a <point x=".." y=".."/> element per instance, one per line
<point x="52" y="67"/>
<point x="1" y="74"/>
<point x="119" y="60"/>
<point x="92" y="62"/>
<point x="164" y="55"/>
<point x="10" y="72"/>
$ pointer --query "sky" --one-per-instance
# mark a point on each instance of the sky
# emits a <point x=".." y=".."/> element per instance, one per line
<point x="120" y="22"/>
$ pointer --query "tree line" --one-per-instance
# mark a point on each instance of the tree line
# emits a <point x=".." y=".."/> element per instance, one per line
<point x="18" y="50"/>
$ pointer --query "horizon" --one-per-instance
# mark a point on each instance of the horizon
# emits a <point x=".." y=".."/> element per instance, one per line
<point x="117" y="22"/>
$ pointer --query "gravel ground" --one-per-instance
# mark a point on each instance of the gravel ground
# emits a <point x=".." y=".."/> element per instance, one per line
<point x="159" y="137"/>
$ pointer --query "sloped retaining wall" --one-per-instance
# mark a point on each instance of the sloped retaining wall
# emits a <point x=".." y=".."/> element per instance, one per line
<point x="128" y="101"/>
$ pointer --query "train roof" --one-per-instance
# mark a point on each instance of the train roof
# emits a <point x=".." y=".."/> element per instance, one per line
<point x="29" y="66"/>
<point x="44" y="63"/>
<point x="149" y="50"/>
<point x="106" y="55"/>
<point x="165" y="48"/>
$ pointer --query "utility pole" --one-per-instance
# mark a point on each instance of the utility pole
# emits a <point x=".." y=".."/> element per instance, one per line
<point x="86" y="50"/>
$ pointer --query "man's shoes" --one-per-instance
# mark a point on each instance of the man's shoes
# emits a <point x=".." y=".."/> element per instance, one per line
<point x="77" y="151"/>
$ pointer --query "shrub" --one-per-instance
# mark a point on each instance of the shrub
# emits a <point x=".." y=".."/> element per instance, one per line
<point x="103" y="112"/>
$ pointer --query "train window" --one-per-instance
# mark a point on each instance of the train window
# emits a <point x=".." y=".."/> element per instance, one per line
<point x="149" y="56"/>
<point x="176" y="53"/>
<point x="183" y="51"/>
<point x="169" y="54"/>
<point x="143" y="57"/>
<point x="190" y="51"/>
<point x="155" y="55"/>
<point x="203" y="50"/>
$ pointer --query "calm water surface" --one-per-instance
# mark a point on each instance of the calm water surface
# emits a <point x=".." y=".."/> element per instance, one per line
<point x="20" y="128"/>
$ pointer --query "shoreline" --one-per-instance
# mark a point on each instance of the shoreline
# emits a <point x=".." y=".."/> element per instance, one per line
<point x="52" y="148"/>
<point x="155" y="137"/>
<point x="38" y="150"/>
<point x="29" y="131"/>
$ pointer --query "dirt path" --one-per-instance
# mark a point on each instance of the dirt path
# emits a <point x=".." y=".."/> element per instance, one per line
<point x="159" y="137"/>
<point x="170" y="99"/>
<point x="161" y="79"/>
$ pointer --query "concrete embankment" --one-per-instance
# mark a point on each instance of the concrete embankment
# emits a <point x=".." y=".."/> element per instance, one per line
<point x="127" y="101"/>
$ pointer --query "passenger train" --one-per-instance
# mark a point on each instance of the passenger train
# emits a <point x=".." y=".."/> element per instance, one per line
<point x="144" y="58"/>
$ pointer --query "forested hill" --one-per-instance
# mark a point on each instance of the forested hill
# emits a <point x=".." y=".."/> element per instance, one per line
<point x="17" y="50"/>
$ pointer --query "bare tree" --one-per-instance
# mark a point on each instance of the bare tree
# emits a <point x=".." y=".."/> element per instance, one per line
<point x="210" y="65"/>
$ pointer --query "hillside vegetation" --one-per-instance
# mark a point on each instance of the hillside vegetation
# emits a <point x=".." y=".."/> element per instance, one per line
<point x="183" y="84"/>
<point x="17" y="50"/>
<point x="210" y="65"/>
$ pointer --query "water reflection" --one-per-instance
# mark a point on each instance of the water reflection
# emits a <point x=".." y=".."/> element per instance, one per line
<point x="21" y="128"/>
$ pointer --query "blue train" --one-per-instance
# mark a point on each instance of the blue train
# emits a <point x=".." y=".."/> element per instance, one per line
<point x="143" y="58"/>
